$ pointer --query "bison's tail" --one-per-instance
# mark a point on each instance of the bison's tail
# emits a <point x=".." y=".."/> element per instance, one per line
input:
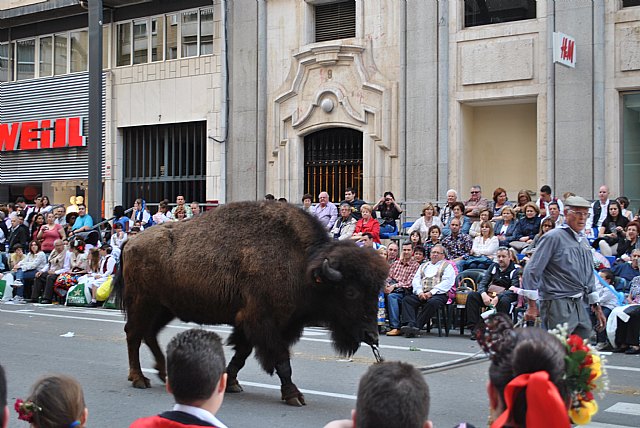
<point x="117" y="285"/>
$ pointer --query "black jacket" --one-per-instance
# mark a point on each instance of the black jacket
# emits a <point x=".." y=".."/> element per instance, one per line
<point x="19" y="235"/>
<point x="495" y="276"/>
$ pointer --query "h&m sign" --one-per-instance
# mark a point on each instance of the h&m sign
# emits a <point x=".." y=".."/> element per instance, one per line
<point x="42" y="134"/>
<point x="564" y="49"/>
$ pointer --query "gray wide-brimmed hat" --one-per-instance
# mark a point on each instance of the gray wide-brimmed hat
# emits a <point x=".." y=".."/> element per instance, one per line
<point x="577" y="201"/>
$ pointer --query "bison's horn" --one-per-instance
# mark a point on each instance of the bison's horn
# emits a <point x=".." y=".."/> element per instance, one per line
<point x="330" y="273"/>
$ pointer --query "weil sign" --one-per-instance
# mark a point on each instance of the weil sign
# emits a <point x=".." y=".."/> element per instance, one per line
<point x="42" y="134"/>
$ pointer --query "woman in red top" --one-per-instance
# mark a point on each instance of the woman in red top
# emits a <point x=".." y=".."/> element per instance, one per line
<point x="49" y="232"/>
<point x="367" y="224"/>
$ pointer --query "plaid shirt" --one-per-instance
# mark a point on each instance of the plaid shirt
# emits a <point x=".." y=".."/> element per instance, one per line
<point x="458" y="246"/>
<point x="403" y="272"/>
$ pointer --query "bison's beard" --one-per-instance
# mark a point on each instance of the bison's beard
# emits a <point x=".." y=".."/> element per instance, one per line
<point x="347" y="341"/>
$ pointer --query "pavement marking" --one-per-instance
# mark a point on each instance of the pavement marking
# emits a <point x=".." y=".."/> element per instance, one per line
<point x="629" y="369"/>
<point x="603" y="425"/>
<point x="625" y="408"/>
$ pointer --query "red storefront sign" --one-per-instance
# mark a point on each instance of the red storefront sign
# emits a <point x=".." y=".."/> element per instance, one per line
<point x="42" y="134"/>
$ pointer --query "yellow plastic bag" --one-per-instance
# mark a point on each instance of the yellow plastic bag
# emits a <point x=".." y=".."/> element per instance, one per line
<point x="104" y="290"/>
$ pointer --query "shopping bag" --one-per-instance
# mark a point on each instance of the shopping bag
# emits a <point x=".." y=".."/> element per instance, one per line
<point x="111" y="302"/>
<point x="5" y="290"/>
<point x="78" y="296"/>
<point x="104" y="290"/>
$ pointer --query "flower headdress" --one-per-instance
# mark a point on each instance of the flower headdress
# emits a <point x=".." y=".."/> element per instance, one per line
<point x="26" y="409"/>
<point x="584" y="375"/>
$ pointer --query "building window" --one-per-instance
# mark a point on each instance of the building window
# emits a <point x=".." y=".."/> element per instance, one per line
<point x="484" y="12"/>
<point x="162" y="161"/>
<point x="123" y="44"/>
<point x="172" y="36"/>
<point x="25" y="59"/>
<point x="631" y="148"/>
<point x="46" y="56"/>
<point x="333" y="162"/>
<point x="335" y="21"/>
<point x="60" y="54"/>
<point x="206" y="31"/>
<point x="5" y="63"/>
<point x="140" y="42"/>
<point x="630" y="3"/>
<point x="157" y="39"/>
<point x="79" y="50"/>
<point x="189" y="33"/>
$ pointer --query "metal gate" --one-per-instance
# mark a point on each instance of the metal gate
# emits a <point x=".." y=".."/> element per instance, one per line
<point x="333" y="162"/>
<point x="164" y="161"/>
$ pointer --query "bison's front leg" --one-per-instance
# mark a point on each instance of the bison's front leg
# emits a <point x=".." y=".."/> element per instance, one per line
<point x="289" y="390"/>
<point x="242" y="349"/>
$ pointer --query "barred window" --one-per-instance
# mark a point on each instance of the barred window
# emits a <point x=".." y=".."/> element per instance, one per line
<point x="335" y="21"/>
<point x="484" y="12"/>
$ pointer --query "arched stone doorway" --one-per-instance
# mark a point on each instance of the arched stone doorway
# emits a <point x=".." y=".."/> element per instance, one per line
<point x="333" y="161"/>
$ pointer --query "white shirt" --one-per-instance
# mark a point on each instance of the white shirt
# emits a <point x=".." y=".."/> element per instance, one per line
<point x="199" y="413"/>
<point x="429" y="270"/>
<point x="485" y="248"/>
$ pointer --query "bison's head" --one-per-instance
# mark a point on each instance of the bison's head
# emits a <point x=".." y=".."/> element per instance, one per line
<point x="348" y="280"/>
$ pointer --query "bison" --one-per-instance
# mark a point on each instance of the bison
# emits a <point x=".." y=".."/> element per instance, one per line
<point x="268" y="269"/>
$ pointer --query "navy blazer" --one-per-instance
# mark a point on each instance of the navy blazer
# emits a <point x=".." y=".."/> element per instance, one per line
<point x="510" y="233"/>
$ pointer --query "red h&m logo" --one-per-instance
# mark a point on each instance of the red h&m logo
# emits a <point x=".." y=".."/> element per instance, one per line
<point x="43" y="134"/>
<point x="567" y="49"/>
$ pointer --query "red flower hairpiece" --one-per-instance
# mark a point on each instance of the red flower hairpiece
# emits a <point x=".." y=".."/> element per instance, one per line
<point x="26" y="409"/>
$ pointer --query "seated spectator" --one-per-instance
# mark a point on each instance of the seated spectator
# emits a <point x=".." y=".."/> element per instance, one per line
<point x="499" y="203"/>
<point x="16" y="257"/>
<point x="611" y="231"/>
<point x="106" y="267"/>
<point x="133" y="232"/>
<point x="483" y="250"/>
<point x="35" y="225"/>
<point x="546" y="225"/>
<point x="195" y="209"/>
<point x="120" y="218"/>
<point x="505" y="227"/>
<point x="140" y="213"/>
<point x="502" y="276"/>
<point x="628" y="270"/>
<point x="54" y="401"/>
<point x="58" y="263"/>
<point x="457" y="244"/>
<point x="163" y="215"/>
<point x="345" y="225"/>
<point x="629" y="241"/>
<point x="117" y="239"/>
<point x="419" y="254"/>
<point x="524" y="197"/>
<point x="49" y="233"/>
<point x="26" y="269"/>
<point x="84" y="222"/>
<point x="485" y="215"/>
<point x="353" y="202"/>
<point x="307" y="200"/>
<point x="399" y="285"/>
<point x="19" y="233"/>
<point x="69" y="221"/>
<point x="180" y="203"/>
<point x="367" y="224"/>
<point x="527" y="227"/>
<point x="458" y="213"/>
<point x="269" y="197"/>
<point x="608" y="301"/>
<point x="59" y="213"/>
<point x="430" y="286"/>
<point x="325" y="211"/>
<point x="366" y="241"/>
<point x="46" y="205"/>
<point x="624" y="206"/>
<point x="427" y="219"/>
<point x="179" y="214"/>
<point x="392" y="252"/>
<point x="390" y="382"/>
<point x="627" y="332"/>
<point x="555" y="213"/>
<point x="433" y="240"/>
<point x="475" y="204"/>
<point x="415" y="238"/>
<point x="545" y="199"/>
<point x="447" y="210"/>
<point x="389" y="213"/>
<point x="528" y="358"/>
<point x="197" y="380"/>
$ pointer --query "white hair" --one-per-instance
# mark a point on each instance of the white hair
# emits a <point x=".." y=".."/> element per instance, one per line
<point x="452" y="191"/>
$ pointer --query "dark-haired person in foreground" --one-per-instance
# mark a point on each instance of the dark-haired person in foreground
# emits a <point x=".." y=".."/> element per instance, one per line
<point x="4" y="410"/>
<point x="390" y="382"/>
<point x="197" y="380"/>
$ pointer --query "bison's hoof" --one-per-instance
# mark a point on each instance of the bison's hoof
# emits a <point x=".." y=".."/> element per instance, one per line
<point x="162" y="377"/>
<point x="296" y="401"/>
<point x="142" y="383"/>
<point x="233" y="386"/>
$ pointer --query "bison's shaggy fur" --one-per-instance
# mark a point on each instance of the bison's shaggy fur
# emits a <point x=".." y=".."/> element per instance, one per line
<point x="268" y="269"/>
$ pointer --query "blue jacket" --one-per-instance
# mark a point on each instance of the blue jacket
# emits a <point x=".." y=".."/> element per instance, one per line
<point x="527" y="227"/>
<point x="509" y="234"/>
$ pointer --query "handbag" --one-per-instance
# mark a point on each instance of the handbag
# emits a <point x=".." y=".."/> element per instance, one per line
<point x="494" y="290"/>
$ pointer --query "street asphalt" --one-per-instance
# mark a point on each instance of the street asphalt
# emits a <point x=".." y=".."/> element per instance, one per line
<point x="89" y="344"/>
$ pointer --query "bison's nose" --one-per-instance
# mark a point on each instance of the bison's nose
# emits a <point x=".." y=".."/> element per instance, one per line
<point x="370" y="337"/>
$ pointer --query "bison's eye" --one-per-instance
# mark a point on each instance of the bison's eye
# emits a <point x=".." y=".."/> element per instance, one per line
<point x="351" y="293"/>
